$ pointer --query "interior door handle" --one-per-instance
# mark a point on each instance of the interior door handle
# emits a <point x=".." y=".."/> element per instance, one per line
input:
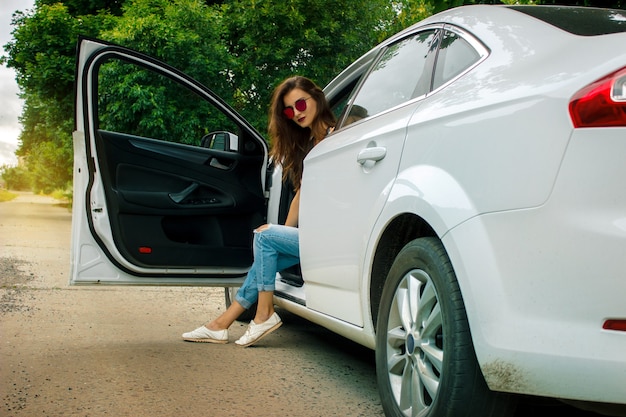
<point x="373" y="154"/>
<point x="182" y="195"/>
<point x="215" y="163"/>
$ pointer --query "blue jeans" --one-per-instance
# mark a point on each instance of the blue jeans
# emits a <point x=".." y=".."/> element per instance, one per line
<point x="275" y="249"/>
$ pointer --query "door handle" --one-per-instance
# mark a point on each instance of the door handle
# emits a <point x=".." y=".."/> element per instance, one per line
<point x="215" y="163"/>
<point x="182" y="195"/>
<point x="373" y="154"/>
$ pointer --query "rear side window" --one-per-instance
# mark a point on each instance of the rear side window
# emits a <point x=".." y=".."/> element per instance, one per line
<point x="455" y="56"/>
<point x="584" y="21"/>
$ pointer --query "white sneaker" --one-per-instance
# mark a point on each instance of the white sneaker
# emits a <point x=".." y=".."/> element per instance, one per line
<point x="256" y="332"/>
<point x="202" y="334"/>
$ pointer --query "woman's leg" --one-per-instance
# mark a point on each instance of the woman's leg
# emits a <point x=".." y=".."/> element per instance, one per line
<point x="265" y="307"/>
<point x="276" y="248"/>
<point x="216" y="331"/>
<point x="227" y="318"/>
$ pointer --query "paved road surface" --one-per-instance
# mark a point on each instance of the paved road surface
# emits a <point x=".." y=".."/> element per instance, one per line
<point x="115" y="351"/>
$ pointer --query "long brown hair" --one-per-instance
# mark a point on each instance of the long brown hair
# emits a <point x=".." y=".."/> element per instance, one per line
<point x="290" y="143"/>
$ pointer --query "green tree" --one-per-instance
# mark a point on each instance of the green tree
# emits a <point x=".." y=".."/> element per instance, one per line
<point x="315" y="38"/>
<point x="43" y="54"/>
<point x="87" y="7"/>
<point x="239" y="48"/>
<point x="185" y="33"/>
<point x="408" y="13"/>
<point x="15" y="178"/>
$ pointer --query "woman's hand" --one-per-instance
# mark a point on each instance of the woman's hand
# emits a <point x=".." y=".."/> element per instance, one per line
<point x="292" y="216"/>
<point x="262" y="228"/>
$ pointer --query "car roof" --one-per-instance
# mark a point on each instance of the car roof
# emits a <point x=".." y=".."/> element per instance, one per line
<point x="585" y="21"/>
<point x="541" y="24"/>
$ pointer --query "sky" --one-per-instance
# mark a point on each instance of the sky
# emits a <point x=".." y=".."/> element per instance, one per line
<point x="10" y="103"/>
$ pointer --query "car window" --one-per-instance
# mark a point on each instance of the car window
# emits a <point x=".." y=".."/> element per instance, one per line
<point x="455" y="55"/>
<point x="399" y="75"/>
<point x="584" y="21"/>
<point x="141" y="102"/>
<point x="339" y="101"/>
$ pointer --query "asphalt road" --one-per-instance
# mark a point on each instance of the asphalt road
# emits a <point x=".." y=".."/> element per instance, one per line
<point x="116" y="351"/>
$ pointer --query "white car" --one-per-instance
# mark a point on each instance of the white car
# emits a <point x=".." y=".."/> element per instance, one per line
<point x="466" y="219"/>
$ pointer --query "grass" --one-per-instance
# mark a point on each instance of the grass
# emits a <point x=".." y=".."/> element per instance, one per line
<point x="6" y="195"/>
<point x="65" y="196"/>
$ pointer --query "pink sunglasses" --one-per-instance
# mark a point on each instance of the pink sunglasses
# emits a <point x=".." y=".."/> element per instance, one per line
<point x="300" y="105"/>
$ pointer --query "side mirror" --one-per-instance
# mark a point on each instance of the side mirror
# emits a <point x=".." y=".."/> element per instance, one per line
<point x="221" y="141"/>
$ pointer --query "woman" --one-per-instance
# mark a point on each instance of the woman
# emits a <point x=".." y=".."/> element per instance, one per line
<point x="299" y="119"/>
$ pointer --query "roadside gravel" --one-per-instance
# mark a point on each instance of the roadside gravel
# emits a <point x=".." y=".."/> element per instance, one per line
<point x="117" y="351"/>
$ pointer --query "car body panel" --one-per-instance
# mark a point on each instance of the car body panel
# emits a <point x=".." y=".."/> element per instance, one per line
<point x="545" y="316"/>
<point x="349" y="197"/>
<point x="512" y="283"/>
<point x="463" y="201"/>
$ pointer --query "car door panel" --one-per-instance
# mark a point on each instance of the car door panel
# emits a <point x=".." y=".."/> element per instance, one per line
<point x="155" y="203"/>
<point x="143" y="174"/>
<point x="341" y="200"/>
<point x="170" y="208"/>
<point x="347" y="178"/>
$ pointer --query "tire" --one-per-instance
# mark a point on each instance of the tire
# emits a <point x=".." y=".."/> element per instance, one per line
<point x="229" y="296"/>
<point x="425" y="361"/>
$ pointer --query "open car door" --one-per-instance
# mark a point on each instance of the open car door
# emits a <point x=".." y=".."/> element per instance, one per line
<point x="169" y="181"/>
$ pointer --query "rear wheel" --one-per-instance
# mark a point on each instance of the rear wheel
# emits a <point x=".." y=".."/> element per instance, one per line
<point x="229" y="297"/>
<point x="425" y="360"/>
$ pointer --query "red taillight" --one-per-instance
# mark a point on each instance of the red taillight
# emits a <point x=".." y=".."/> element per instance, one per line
<point x="615" y="324"/>
<point x="602" y="103"/>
